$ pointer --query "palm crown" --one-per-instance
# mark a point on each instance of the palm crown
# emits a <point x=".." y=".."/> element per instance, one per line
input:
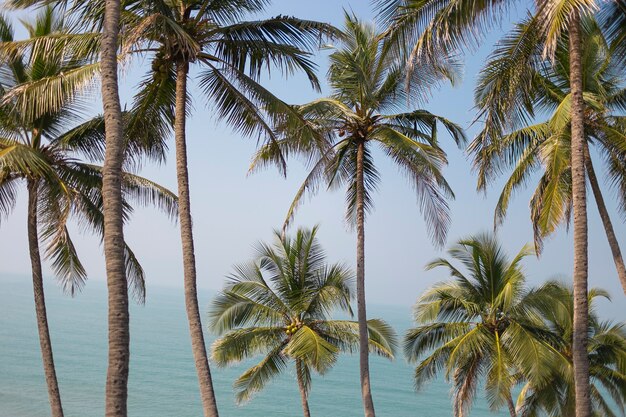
<point x="38" y="147"/>
<point x="368" y="93"/>
<point x="230" y="52"/>
<point x="279" y="306"/>
<point x="482" y="323"/>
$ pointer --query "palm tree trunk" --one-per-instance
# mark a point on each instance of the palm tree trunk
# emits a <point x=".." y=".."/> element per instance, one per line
<point x="366" y="391"/>
<point x="198" y="347"/>
<point x="581" y="310"/>
<point x="119" y="332"/>
<point x="511" y="405"/>
<point x="40" y="304"/>
<point x="606" y="220"/>
<point x="303" y="393"/>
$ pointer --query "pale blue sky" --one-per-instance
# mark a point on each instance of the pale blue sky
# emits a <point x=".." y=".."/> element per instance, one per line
<point x="232" y="211"/>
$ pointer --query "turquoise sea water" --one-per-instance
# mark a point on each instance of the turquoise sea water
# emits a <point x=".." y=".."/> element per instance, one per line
<point x="163" y="380"/>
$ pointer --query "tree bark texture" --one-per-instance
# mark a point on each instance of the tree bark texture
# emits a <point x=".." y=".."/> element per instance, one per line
<point x="303" y="392"/>
<point x="54" y="396"/>
<point x="366" y="390"/>
<point x="209" y="404"/>
<point x="118" y="317"/>
<point x="581" y="308"/>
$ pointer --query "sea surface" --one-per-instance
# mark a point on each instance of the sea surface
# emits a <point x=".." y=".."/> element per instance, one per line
<point x="162" y="377"/>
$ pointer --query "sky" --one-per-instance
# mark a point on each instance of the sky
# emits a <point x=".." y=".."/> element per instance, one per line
<point x="232" y="211"/>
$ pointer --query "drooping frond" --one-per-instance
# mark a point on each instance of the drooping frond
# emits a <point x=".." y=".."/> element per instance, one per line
<point x="283" y="42"/>
<point x="343" y="172"/>
<point x="239" y="344"/>
<point x="425" y="28"/>
<point x="255" y="378"/>
<point x="50" y="94"/>
<point x="345" y="335"/>
<point x="149" y="194"/>
<point x="145" y="139"/>
<point x="65" y="262"/>
<point x="135" y="275"/>
<point x="28" y="162"/>
<point x="422" y="165"/>
<point x="8" y="193"/>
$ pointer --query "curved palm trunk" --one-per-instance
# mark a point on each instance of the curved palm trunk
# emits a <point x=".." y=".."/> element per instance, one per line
<point x="40" y="304"/>
<point x="606" y="220"/>
<point x="511" y="405"/>
<point x="198" y="347"/>
<point x="581" y="309"/>
<point x="366" y="391"/>
<point x="119" y="332"/>
<point x="303" y="393"/>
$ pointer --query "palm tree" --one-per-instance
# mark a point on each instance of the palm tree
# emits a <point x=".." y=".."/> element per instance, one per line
<point x="232" y="53"/>
<point x="118" y="319"/>
<point x="607" y="358"/>
<point x="341" y="131"/>
<point x="36" y="148"/>
<point x="423" y="29"/>
<point x="523" y="146"/>
<point x="482" y="323"/>
<point x="279" y="306"/>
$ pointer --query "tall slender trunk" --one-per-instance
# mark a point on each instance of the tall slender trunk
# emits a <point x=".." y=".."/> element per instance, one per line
<point x="303" y="391"/>
<point x="511" y="405"/>
<point x="606" y="220"/>
<point x="366" y="391"/>
<point x="119" y="332"/>
<point x="54" y="395"/>
<point x="581" y="310"/>
<point x="198" y="347"/>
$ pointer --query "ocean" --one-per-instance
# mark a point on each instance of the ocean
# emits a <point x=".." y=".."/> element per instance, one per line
<point x="162" y="377"/>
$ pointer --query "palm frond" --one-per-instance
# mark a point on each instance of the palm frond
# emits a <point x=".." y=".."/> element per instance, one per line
<point x="50" y="94"/>
<point x="255" y="378"/>
<point x="65" y="262"/>
<point x="422" y="165"/>
<point x="8" y="194"/>
<point x="423" y="339"/>
<point x="283" y="41"/>
<point x="343" y="171"/>
<point x="246" y="342"/>
<point x="25" y="161"/>
<point x="312" y="349"/>
<point x="135" y="275"/>
<point x="555" y="17"/>
<point x="149" y="194"/>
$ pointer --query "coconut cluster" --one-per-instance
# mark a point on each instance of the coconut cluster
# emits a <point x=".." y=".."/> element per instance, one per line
<point x="293" y="327"/>
<point x="160" y="68"/>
